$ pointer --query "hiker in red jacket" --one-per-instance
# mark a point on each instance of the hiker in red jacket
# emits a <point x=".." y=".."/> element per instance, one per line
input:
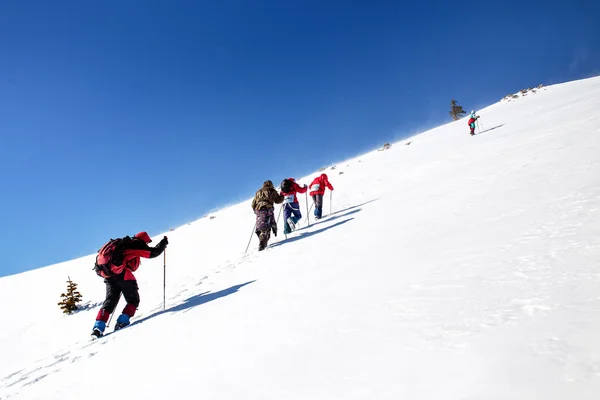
<point x="317" y="190"/>
<point x="116" y="263"/>
<point x="291" y="207"/>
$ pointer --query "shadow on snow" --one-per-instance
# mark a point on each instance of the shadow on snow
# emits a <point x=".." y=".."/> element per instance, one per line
<point x="194" y="301"/>
<point x="336" y="214"/>
<point x="308" y="234"/>
<point x="88" y="306"/>
<point x="333" y="217"/>
<point x="490" y="129"/>
<point x="352" y="207"/>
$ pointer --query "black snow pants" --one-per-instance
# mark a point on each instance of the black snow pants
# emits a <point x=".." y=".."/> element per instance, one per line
<point x="117" y="285"/>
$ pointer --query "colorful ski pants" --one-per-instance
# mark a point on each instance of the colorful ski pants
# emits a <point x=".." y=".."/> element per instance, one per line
<point x="265" y="223"/>
<point x="290" y="210"/>
<point x="265" y="220"/>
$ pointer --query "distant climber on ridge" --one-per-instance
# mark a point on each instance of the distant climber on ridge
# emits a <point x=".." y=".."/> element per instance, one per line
<point x="472" y="119"/>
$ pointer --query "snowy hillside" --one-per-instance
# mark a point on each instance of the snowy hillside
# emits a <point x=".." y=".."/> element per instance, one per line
<point x="455" y="267"/>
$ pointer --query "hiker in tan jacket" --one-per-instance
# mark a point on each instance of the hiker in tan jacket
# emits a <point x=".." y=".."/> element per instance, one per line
<point x="263" y="205"/>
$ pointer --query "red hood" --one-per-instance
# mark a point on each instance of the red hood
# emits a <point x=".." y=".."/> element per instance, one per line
<point x="144" y="236"/>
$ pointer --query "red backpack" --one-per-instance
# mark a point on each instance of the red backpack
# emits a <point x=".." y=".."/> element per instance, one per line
<point x="110" y="254"/>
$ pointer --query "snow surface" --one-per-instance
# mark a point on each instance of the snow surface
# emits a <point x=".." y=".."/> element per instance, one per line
<point x="455" y="267"/>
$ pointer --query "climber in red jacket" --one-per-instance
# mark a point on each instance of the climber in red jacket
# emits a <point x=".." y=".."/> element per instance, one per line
<point x="116" y="262"/>
<point x="317" y="190"/>
<point x="291" y="208"/>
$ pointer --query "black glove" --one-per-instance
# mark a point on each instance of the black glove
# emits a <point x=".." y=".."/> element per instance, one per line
<point x="164" y="242"/>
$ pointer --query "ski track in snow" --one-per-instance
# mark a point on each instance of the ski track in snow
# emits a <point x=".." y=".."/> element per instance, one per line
<point x="457" y="267"/>
<point x="79" y="351"/>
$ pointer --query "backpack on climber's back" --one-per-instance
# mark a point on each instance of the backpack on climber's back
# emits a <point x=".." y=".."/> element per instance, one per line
<point x="110" y="254"/>
<point x="286" y="186"/>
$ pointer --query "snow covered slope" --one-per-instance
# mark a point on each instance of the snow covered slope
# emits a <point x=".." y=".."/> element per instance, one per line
<point x="455" y="267"/>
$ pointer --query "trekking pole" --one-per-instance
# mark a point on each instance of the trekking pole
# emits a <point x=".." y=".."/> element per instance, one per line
<point x="251" y="234"/>
<point x="307" y="215"/>
<point x="113" y="313"/>
<point x="277" y="223"/>
<point x="279" y="215"/>
<point x="164" y="276"/>
<point x="330" y="200"/>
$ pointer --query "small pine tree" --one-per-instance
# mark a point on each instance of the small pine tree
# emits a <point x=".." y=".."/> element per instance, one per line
<point x="456" y="111"/>
<point x="71" y="298"/>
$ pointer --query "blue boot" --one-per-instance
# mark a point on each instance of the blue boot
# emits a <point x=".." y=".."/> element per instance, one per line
<point x="286" y="228"/>
<point x="122" y="321"/>
<point x="291" y="224"/>
<point x="99" y="328"/>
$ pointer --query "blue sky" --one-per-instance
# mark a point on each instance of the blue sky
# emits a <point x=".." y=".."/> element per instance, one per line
<point x="117" y="117"/>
